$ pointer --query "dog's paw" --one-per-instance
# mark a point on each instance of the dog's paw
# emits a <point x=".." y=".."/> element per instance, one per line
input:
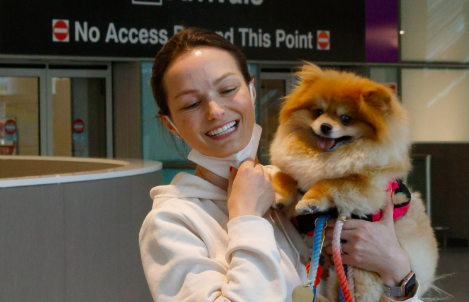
<point x="281" y="201"/>
<point x="307" y="206"/>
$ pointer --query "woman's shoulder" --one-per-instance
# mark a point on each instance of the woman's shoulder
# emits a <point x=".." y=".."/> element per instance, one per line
<point x="188" y="186"/>
<point x="188" y="200"/>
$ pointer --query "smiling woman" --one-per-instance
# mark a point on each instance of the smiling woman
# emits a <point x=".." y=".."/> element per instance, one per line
<point x="204" y="95"/>
<point x="210" y="236"/>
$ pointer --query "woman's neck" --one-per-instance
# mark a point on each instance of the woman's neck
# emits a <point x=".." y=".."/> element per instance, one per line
<point x="211" y="177"/>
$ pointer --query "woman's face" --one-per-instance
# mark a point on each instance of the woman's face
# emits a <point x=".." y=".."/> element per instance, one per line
<point x="209" y="101"/>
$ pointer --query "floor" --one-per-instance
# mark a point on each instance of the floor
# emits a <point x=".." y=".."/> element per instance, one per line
<point x="453" y="267"/>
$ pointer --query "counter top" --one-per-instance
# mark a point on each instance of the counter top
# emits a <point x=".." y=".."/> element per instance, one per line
<point x="40" y="170"/>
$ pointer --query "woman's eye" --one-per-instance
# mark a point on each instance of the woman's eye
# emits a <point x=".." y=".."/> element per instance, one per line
<point x="192" y="106"/>
<point x="345" y="119"/>
<point x="317" y="112"/>
<point x="228" y="91"/>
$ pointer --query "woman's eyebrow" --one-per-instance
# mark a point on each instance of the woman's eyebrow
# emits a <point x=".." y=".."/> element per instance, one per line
<point x="184" y="92"/>
<point x="217" y="81"/>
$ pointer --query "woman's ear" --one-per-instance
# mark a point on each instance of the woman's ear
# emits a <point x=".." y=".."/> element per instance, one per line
<point x="169" y="125"/>
<point x="253" y="89"/>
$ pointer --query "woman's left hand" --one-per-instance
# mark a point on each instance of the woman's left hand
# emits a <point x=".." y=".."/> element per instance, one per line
<point x="373" y="246"/>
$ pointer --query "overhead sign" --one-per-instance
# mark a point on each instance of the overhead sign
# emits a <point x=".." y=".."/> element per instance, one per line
<point x="327" y="30"/>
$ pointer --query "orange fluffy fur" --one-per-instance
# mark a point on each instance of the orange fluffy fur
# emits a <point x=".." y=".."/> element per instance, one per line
<point x="353" y="174"/>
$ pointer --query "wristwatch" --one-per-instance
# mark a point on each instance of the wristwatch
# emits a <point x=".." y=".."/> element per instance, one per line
<point x="406" y="287"/>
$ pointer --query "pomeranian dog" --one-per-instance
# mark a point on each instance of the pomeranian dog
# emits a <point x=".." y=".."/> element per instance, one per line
<point x="341" y="140"/>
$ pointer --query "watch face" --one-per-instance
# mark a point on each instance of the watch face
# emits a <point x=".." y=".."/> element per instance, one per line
<point x="409" y="286"/>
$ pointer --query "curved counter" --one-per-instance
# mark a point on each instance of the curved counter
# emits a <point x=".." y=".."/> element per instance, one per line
<point x="69" y="228"/>
<point x="17" y="171"/>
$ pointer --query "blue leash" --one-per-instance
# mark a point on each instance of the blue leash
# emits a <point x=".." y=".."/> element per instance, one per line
<point x="321" y="222"/>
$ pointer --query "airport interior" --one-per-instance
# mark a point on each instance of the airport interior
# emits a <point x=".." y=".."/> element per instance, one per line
<point x="81" y="144"/>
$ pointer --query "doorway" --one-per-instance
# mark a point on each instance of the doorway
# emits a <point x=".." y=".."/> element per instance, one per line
<point x="56" y="110"/>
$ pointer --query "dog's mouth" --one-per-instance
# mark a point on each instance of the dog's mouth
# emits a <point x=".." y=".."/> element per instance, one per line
<point x="329" y="144"/>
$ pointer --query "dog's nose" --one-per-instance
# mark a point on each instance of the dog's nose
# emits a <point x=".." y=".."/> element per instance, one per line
<point x="326" y="128"/>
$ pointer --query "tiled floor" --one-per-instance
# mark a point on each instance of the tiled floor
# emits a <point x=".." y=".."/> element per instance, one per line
<point x="455" y="262"/>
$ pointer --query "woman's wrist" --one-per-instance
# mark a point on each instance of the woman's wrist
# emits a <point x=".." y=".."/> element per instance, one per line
<point x="398" y="268"/>
<point x="241" y="212"/>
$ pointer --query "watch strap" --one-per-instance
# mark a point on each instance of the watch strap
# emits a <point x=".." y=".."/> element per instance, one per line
<point x="406" y="287"/>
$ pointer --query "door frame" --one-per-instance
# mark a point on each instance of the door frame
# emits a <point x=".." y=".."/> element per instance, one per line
<point x="72" y="72"/>
<point x="290" y="79"/>
<point x="45" y="73"/>
<point x="39" y="73"/>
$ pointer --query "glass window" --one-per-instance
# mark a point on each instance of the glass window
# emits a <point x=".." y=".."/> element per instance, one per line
<point x="79" y="116"/>
<point x="157" y="142"/>
<point x="438" y="104"/>
<point x="435" y="30"/>
<point x="270" y="99"/>
<point x="19" y="116"/>
<point x="386" y="76"/>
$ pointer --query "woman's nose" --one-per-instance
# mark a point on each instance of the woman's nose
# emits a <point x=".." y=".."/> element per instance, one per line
<point x="215" y="111"/>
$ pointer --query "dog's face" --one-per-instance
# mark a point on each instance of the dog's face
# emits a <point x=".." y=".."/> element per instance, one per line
<point x="334" y="124"/>
<point x="331" y="109"/>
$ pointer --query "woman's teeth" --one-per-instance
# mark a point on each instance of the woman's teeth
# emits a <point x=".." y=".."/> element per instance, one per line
<point x="223" y="130"/>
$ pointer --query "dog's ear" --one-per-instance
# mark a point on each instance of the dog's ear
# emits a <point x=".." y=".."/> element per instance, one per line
<point x="309" y="73"/>
<point x="377" y="96"/>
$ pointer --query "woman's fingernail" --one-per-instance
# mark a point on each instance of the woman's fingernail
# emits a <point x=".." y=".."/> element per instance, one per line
<point x="231" y="168"/>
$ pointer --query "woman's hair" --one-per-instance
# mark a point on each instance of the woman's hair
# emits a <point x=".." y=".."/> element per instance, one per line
<point x="181" y="43"/>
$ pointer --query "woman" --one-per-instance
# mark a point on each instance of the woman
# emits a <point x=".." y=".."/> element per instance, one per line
<point x="211" y="236"/>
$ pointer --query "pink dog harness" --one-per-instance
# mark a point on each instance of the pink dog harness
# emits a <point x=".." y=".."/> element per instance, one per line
<point x="305" y="223"/>
<point x="399" y="209"/>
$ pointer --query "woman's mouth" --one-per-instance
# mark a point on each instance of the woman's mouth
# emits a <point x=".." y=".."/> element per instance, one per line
<point x="224" y="130"/>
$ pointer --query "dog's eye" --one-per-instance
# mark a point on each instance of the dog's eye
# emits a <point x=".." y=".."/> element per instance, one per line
<point x="317" y="112"/>
<point x="345" y="119"/>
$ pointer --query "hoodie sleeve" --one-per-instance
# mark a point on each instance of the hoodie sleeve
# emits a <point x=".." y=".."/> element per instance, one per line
<point x="178" y="266"/>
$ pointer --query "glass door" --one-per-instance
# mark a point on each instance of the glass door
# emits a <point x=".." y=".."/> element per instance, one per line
<point x="22" y="99"/>
<point x="273" y="87"/>
<point x="80" y="110"/>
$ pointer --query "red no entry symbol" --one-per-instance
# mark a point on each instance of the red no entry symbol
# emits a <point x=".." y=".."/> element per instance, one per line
<point x="60" y="30"/>
<point x="10" y="127"/>
<point x="324" y="40"/>
<point x="78" y="126"/>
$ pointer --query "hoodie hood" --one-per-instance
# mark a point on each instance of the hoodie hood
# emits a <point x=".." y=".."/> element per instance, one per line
<point x="185" y="185"/>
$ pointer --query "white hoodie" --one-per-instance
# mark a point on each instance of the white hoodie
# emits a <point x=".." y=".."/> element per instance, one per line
<point x="192" y="252"/>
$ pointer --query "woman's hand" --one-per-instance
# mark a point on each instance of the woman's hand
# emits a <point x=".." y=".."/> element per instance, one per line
<point x="373" y="246"/>
<point x="250" y="191"/>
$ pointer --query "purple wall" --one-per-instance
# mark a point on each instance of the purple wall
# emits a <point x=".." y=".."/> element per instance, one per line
<point x="381" y="27"/>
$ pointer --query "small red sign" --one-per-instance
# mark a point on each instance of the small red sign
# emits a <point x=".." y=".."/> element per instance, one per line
<point x="10" y="127"/>
<point x="78" y="126"/>
<point x="392" y="86"/>
<point x="60" y="30"/>
<point x="324" y="40"/>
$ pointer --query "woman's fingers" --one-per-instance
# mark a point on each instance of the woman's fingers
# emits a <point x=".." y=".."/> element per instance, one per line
<point x="327" y="249"/>
<point x="233" y="173"/>
<point x="348" y="225"/>
<point x="347" y="248"/>
<point x="246" y="165"/>
<point x="347" y="234"/>
<point x="350" y="259"/>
